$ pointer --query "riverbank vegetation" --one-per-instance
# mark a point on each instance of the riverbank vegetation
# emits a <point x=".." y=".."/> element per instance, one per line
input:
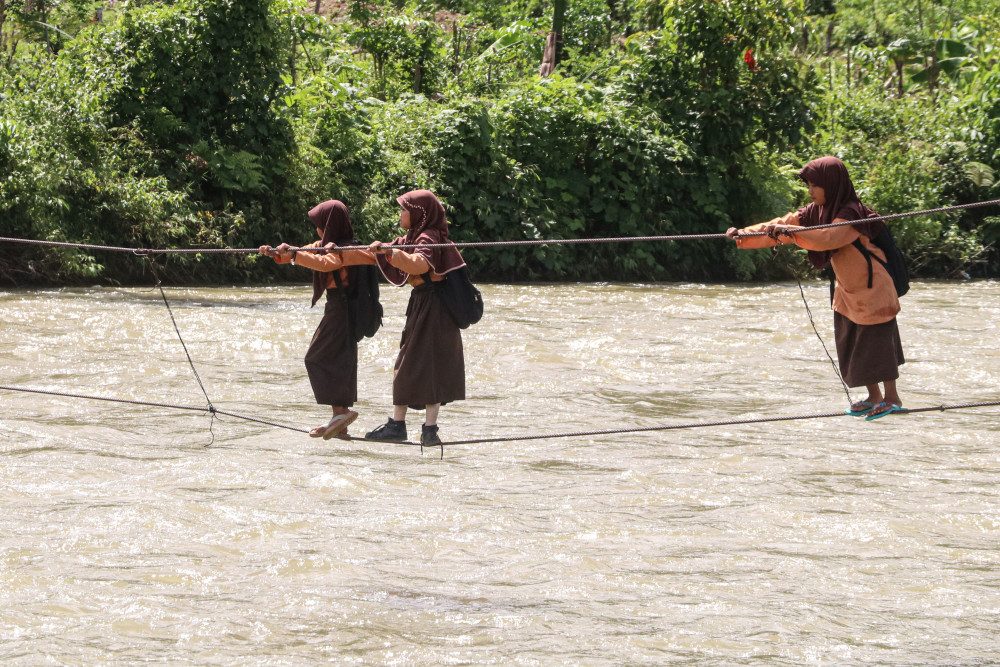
<point x="219" y="123"/>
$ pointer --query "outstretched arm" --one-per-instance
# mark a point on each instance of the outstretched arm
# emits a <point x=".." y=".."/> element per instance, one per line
<point x="772" y="228"/>
<point x="413" y="264"/>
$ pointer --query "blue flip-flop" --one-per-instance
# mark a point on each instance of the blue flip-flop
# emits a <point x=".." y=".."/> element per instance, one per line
<point x="866" y="407"/>
<point x="892" y="408"/>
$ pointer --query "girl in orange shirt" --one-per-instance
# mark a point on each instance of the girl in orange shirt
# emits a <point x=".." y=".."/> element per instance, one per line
<point x="865" y="308"/>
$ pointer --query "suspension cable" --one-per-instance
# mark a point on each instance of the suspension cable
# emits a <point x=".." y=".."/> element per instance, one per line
<point x="520" y="438"/>
<point x="498" y="244"/>
<point x="692" y="425"/>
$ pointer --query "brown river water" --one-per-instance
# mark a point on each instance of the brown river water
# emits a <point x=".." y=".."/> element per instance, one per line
<point x="128" y="536"/>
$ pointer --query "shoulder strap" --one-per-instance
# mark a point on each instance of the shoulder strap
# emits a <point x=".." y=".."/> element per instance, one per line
<point x="340" y="284"/>
<point x="868" y="256"/>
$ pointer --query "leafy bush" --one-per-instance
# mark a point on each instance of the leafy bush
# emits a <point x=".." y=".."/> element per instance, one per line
<point x="220" y="123"/>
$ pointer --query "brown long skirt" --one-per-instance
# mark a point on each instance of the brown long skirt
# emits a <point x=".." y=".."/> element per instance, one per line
<point x="430" y="367"/>
<point x="868" y="353"/>
<point x="332" y="359"/>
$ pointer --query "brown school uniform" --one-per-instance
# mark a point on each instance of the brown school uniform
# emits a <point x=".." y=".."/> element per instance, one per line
<point x="332" y="358"/>
<point x="430" y="366"/>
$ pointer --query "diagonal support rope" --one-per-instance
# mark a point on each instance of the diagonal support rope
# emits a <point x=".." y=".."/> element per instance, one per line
<point x="211" y="408"/>
<point x="812" y="322"/>
<point x="159" y="285"/>
<point x="847" y="391"/>
<point x="172" y="406"/>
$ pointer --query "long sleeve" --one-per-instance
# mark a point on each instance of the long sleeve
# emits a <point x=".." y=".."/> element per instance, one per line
<point x="413" y="264"/>
<point x="820" y="239"/>
<point x="288" y="260"/>
<point x="827" y="239"/>
<point x="756" y="242"/>
<point x="334" y="260"/>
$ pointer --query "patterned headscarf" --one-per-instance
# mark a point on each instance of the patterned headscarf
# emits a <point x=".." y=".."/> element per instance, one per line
<point x="428" y="225"/>
<point x="842" y="202"/>
<point x="334" y="220"/>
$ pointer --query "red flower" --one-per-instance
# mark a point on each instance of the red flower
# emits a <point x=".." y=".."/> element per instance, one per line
<point x="749" y="60"/>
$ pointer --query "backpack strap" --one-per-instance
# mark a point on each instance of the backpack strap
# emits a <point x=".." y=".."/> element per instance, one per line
<point x="868" y="256"/>
<point x="349" y="339"/>
<point x="340" y="283"/>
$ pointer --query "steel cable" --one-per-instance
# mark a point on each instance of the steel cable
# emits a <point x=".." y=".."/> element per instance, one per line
<point x="674" y="427"/>
<point x="499" y="244"/>
<point x="519" y="438"/>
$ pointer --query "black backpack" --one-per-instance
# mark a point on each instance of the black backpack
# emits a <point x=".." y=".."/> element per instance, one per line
<point x="364" y="311"/>
<point x="894" y="262"/>
<point x="460" y="297"/>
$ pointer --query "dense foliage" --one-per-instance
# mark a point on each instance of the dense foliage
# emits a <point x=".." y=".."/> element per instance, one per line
<point x="219" y="123"/>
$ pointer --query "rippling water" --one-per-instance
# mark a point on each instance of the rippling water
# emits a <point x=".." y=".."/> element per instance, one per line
<point x="125" y="538"/>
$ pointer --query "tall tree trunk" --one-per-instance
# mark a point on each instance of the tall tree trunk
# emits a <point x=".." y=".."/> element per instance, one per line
<point x="3" y="19"/>
<point x="848" y="65"/>
<point x="553" y="42"/>
<point x="932" y="74"/>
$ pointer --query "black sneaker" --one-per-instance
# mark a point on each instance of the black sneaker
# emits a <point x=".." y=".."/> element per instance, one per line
<point x="391" y="431"/>
<point x="429" y="435"/>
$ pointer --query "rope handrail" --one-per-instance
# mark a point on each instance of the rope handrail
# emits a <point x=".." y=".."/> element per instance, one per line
<point x="494" y="244"/>
<point x="519" y="438"/>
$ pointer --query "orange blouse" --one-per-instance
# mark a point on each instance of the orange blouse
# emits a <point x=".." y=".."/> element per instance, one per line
<point x="852" y="297"/>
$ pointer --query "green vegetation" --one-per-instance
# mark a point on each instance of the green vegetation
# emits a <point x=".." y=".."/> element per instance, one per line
<point x="215" y="123"/>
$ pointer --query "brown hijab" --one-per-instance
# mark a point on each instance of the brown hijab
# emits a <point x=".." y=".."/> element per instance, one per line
<point x="333" y="219"/>
<point x="842" y="202"/>
<point x="428" y="225"/>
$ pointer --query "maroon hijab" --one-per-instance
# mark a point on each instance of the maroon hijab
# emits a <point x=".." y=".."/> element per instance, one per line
<point x="842" y="202"/>
<point x="428" y="225"/>
<point x="331" y="217"/>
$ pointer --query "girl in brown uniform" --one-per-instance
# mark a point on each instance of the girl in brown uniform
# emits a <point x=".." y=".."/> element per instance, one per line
<point x="430" y="366"/>
<point x="332" y="359"/>
<point x="864" y="318"/>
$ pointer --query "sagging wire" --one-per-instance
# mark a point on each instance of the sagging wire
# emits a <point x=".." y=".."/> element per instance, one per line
<point x="812" y="322"/>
